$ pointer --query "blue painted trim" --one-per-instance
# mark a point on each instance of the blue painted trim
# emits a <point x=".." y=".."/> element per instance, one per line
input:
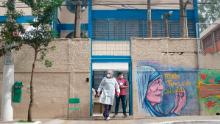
<point x="130" y="89"/>
<point x="91" y="79"/>
<point x="98" y="40"/>
<point x="110" y="60"/>
<point x="55" y="22"/>
<point x="90" y="36"/>
<point x="71" y="27"/>
<point x="106" y="59"/>
<point x="111" y="57"/>
<point x="22" y="19"/>
<point x="137" y="14"/>
<point x="90" y="18"/>
<point x="100" y="59"/>
<point x="196" y="11"/>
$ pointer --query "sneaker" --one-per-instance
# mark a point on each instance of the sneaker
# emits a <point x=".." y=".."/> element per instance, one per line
<point x="125" y="115"/>
<point x="108" y="118"/>
<point x="114" y="115"/>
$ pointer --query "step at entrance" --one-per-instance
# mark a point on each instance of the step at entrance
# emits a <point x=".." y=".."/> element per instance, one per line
<point x="120" y="116"/>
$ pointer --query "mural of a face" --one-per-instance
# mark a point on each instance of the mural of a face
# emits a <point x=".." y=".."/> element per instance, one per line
<point x="165" y="90"/>
<point x="155" y="92"/>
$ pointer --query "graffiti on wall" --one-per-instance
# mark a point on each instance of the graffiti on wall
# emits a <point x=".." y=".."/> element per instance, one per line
<point x="166" y="91"/>
<point x="209" y="91"/>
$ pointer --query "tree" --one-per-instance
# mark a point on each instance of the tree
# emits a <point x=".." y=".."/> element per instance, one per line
<point x="209" y="12"/>
<point x="77" y="32"/>
<point x="39" y="36"/>
<point x="183" y="17"/>
<point x="149" y="20"/>
<point x="79" y="7"/>
<point x="11" y="39"/>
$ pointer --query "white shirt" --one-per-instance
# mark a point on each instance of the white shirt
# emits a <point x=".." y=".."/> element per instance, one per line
<point x="108" y="87"/>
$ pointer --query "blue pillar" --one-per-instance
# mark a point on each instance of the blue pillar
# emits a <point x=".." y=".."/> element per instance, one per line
<point x="55" y="22"/>
<point x="130" y="89"/>
<point x="90" y="18"/>
<point x="195" y="7"/>
<point x="90" y="36"/>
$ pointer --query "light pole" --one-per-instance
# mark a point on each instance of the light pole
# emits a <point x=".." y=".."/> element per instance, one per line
<point x="165" y="18"/>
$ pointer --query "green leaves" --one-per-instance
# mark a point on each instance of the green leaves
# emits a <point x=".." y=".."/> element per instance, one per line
<point x="209" y="10"/>
<point x="38" y="37"/>
<point x="43" y="10"/>
<point x="11" y="30"/>
<point x="40" y="34"/>
<point x="48" y="63"/>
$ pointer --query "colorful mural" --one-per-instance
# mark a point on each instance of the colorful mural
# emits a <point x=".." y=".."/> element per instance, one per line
<point x="209" y="91"/>
<point x="166" y="91"/>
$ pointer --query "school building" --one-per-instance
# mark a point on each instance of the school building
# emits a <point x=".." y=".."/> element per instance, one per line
<point x="114" y="37"/>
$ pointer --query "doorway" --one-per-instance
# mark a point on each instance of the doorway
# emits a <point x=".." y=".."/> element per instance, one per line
<point x="98" y="72"/>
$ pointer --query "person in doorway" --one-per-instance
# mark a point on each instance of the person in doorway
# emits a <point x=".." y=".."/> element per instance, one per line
<point x="123" y="86"/>
<point x="107" y="90"/>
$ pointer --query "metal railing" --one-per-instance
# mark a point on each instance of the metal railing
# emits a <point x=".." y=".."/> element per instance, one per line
<point x="111" y="29"/>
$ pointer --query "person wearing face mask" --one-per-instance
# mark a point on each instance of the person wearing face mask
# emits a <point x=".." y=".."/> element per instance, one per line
<point x="123" y="86"/>
<point x="107" y="90"/>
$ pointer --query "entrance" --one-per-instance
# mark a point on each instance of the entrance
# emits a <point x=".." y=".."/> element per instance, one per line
<point x="98" y="72"/>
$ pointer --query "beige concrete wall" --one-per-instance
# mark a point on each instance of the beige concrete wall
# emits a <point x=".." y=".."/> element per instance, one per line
<point x="53" y="86"/>
<point x="210" y="61"/>
<point x="67" y="77"/>
<point x="153" y="50"/>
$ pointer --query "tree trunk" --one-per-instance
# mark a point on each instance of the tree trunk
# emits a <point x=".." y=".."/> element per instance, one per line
<point x="183" y="21"/>
<point x="78" y="20"/>
<point x="149" y="20"/>
<point x="32" y="89"/>
<point x="166" y="27"/>
<point x="8" y="78"/>
<point x="8" y="81"/>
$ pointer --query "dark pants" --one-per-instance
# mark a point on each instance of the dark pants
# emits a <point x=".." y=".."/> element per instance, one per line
<point x="107" y="109"/>
<point x="123" y="101"/>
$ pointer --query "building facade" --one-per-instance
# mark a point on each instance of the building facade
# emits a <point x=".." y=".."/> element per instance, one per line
<point x="116" y="34"/>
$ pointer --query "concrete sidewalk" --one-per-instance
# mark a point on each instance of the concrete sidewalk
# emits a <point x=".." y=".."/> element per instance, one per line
<point x="155" y="120"/>
<point x="167" y="120"/>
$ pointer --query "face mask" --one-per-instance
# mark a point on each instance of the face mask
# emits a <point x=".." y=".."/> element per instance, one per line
<point x="121" y="77"/>
<point x="108" y="75"/>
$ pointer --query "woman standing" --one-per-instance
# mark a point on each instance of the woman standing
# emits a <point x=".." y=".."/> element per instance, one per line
<point x="122" y="82"/>
<point x="107" y="89"/>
